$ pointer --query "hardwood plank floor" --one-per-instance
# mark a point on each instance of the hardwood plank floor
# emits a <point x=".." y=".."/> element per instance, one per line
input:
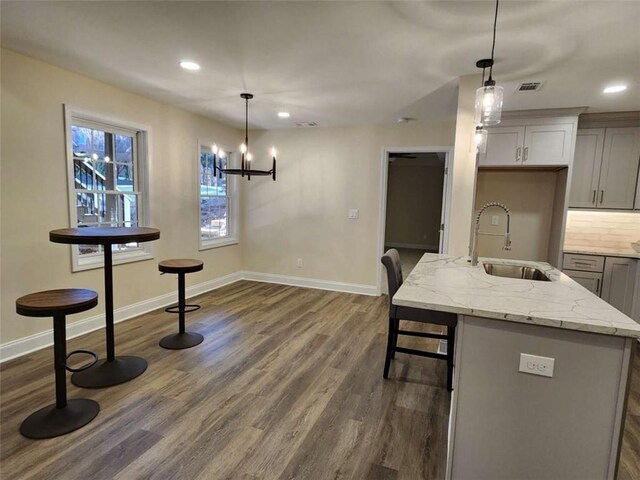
<point x="287" y="384"/>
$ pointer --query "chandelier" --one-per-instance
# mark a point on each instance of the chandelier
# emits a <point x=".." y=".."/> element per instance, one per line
<point x="246" y="157"/>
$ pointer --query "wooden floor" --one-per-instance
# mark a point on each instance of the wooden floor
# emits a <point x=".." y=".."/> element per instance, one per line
<point x="287" y="384"/>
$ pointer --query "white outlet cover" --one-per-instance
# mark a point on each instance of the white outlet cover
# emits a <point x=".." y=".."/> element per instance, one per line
<point x="495" y="220"/>
<point x="536" y="365"/>
<point x="354" y="213"/>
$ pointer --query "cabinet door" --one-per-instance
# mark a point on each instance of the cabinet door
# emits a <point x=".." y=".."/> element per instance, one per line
<point x="504" y="147"/>
<point x="618" y="283"/>
<point x="619" y="172"/>
<point x="586" y="168"/>
<point x="548" y="144"/>
<point x="589" y="280"/>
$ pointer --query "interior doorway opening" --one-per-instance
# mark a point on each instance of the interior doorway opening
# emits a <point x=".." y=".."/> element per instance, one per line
<point x="415" y="205"/>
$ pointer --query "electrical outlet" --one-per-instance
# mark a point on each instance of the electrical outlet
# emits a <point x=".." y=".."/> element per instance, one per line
<point x="354" y="213"/>
<point x="495" y="220"/>
<point x="536" y="365"/>
<point x="299" y="263"/>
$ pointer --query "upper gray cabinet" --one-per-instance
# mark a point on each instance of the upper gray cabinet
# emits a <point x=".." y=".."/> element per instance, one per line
<point x="605" y="169"/>
<point x="529" y="145"/>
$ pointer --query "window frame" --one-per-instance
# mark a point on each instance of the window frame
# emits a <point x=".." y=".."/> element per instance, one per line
<point x="233" y="205"/>
<point x="84" y="118"/>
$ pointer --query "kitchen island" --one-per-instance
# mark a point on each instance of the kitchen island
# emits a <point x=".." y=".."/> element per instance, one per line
<point x="511" y="419"/>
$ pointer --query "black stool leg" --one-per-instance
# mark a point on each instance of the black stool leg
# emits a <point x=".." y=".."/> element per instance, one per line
<point x="64" y="416"/>
<point x="451" y="338"/>
<point x="182" y="339"/>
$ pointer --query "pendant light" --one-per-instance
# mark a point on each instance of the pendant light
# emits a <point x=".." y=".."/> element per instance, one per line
<point x="246" y="156"/>
<point x="489" y="96"/>
<point x="480" y="139"/>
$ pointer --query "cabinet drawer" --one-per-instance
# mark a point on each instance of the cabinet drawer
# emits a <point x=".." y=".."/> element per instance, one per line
<point x="585" y="263"/>
<point x="592" y="281"/>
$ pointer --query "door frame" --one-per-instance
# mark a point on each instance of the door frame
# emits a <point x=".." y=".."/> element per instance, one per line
<point x="446" y="198"/>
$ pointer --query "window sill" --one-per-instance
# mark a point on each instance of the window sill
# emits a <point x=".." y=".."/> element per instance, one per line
<point x="223" y="242"/>
<point x="118" y="259"/>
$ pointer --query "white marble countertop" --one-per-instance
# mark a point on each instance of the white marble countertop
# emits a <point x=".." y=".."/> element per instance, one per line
<point x="450" y="284"/>
<point x="609" y="252"/>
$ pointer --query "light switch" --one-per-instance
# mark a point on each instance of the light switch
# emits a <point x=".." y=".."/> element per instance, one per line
<point x="354" y="213"/>
<point x="495" y="220"/>
<point x="536" y="365"/>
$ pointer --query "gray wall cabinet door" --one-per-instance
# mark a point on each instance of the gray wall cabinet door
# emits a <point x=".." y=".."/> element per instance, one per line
<point x="618" y="283"/>
<point x="548" y="144"/>
<point x="504" y="147"/>
<point x="586" y="168"/>
<point x="619" y="172"/>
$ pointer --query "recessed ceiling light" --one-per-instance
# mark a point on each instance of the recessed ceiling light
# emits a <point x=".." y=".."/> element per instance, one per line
<point x="615" y="89"/>
<point x="284" y="114"/>
<point x="189" y="65"/>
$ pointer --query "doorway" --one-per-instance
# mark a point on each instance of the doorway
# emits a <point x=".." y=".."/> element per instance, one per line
<point x="414" y="205"/>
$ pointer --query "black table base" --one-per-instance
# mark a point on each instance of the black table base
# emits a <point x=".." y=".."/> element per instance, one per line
<point x="107" y="373"/>
<point x="178" y="341"/>
<point x="51" y="421"/>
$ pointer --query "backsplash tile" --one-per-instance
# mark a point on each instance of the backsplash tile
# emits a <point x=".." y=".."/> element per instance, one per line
<point x="602" y="229"/>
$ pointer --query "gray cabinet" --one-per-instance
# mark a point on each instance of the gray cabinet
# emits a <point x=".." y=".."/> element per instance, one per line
<point x="529" y="145"/>
<point x="605" y="173"/>
<point x="592" y="281"/>
<point x="619" y="283"/>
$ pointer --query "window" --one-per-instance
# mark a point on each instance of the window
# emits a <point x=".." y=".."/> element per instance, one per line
<point x="106" y="172"/>
<point x="217" y="202"/>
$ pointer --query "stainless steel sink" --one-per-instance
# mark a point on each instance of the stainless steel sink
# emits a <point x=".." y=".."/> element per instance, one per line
<point x="515" y="271"/>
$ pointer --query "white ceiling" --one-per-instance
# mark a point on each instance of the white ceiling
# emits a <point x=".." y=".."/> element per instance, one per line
<point x="337" y="63"/>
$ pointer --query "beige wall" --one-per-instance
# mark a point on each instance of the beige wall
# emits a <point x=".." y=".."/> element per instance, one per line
<point x="323" y="172"/>
<point x="34" y="189"/>
<point x="530" y="197"/>
<point x="414" y="204"/>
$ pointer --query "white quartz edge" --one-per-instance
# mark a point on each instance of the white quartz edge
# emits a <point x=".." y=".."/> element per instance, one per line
<point x="602" y="252"/>
<point x="451" y="284"/>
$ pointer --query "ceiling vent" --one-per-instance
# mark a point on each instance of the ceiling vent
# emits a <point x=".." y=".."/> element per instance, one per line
<point x="306" y="124"/>
<point x="530" y="87"/>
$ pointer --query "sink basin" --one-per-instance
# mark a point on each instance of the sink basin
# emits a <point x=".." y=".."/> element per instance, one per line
<point x="515" y="271"/>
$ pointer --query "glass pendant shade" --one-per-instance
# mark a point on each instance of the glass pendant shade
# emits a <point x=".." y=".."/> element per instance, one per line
<point x="480" y="139"/>
<point x="489" y="105"/>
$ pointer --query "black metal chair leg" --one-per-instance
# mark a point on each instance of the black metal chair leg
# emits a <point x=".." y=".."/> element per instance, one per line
<point x="390" y="346"/>
<point x="451" y="337"/>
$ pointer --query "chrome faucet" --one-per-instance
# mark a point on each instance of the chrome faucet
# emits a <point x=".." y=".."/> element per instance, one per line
<point x="507" y="235"/>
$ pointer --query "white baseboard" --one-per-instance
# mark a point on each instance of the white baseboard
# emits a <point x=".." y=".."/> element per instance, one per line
<point x="44" y="339"/>
<point x="311" y="283"/>
<point x="29" y="344"/>
<point x="416" y="246"/>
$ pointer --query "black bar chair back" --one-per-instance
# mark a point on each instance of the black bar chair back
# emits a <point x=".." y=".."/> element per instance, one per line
<point x="391" y="261"/>
<point x="64" y="416"/>
<point x="182" y="339"/>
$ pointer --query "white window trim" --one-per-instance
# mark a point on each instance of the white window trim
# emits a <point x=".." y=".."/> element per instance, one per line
<point x="145" y="252"/>
<point x="234" y="196"/>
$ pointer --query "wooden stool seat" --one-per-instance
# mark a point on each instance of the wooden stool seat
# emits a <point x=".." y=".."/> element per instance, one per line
<point x="52" y="303"/>
<point x="180" y="265"/>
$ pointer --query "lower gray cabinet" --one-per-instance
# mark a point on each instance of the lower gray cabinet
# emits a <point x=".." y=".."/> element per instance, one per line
<point x="619" y="283"/>
<point x="592" y="281"/>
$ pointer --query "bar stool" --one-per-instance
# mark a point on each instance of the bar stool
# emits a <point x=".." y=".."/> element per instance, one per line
<point x="65" y="415"/>
<point x="182" y="339"/>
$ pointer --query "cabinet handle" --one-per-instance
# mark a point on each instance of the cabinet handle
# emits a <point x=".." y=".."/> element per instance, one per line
<point x="593" y="200"/>
<point x="601" y="196"/>
<point x="518" y="152"/>
<point x="598" y="286"/>
<point x="526" y="154"/>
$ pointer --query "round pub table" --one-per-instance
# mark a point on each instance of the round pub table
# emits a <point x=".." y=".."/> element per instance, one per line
<point x="112" y="370"/>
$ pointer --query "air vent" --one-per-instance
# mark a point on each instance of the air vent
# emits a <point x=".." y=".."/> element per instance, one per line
<point x="530" y="87"/>
<point x="306" y="124"/>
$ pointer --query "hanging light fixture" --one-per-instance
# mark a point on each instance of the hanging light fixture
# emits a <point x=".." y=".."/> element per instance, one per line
<point x="245" y="154"/>
<point x="489" y="96"/>
<point x="480" y="139"/>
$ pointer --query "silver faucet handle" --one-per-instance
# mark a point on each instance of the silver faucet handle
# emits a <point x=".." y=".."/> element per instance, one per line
<point x="507" y="241"/>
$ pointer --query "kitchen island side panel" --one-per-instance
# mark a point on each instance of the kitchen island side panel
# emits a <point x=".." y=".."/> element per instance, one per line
<point x="517" y="425"/>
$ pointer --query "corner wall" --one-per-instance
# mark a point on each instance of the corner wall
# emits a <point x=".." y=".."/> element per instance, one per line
<point x="34" y="191"/>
